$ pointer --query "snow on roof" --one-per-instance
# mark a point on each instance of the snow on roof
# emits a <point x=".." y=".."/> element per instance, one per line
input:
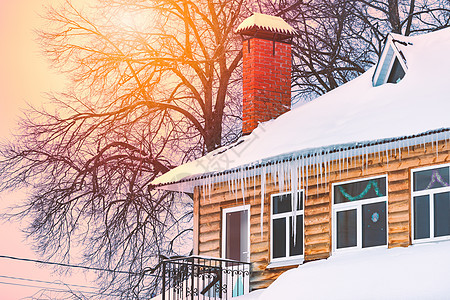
<point x="353" y="113"/>
<point x="416" y="272"/>
<point x="266" y="22"/>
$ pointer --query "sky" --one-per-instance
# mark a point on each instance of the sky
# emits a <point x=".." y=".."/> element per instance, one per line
<point x="25" y="77"/>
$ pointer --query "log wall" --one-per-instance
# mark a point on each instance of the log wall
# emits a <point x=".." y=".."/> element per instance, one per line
<point x="317" y="243"/>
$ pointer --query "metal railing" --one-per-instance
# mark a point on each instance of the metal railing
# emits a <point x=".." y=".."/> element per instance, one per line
<point x="196" y="277"/>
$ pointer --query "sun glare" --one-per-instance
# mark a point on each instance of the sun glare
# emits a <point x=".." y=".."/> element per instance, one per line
<point x="135" y="20"/>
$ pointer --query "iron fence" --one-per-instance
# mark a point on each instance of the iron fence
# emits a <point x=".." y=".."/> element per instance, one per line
<point x="196" y="277"/>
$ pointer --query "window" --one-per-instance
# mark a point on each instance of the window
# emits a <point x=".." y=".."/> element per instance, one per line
<point x="431" y="204"/>
<point x="286" y="243"/>
<point x="360" y="214"/>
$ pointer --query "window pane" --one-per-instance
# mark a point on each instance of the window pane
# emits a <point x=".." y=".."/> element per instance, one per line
<point x="346" y="228"/>
<point x="296" y="249"/>
<point x="442" y="214"/>
<point x="279" y="237"/>
<point x="374" y="224"/>
<point x="397" y="72"/>
<point x="431" y="179"/>
<point x="283" y="203"/>
<point x="360" y="190"/>
<point x="421" y="217"/>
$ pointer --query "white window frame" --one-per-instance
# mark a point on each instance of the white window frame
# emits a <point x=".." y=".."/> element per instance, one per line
<point x="358" y="206"/>
<point x="225" y="211"/>
<point x="430" y="193"/>
<point x="287" y="260"/>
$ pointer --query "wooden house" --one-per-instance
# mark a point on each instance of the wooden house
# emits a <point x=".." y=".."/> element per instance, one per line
<point x="365" y="165"/>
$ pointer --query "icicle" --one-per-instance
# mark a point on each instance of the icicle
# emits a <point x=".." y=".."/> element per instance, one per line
<point x="325" y="158"/>
<point x="346" y="159"/>
<point x="209" y="187"/>
<point x="339" y="160"/>
<point x="235" y="188"/>
<point x="273" y="173"/>
<point x="286" y="174"/>
<point x="294" y="199"/>
<point x="242" y="179"/>
<point x="316" y="159"/>
<point x="423" y="142"/>
<point x="263" y="192"/>
<point x="329" y="163"/>
<point x="367" y="157"/>
<point x="321" y="173"/>
<point x="350" y="154"/>
<point x="229" y="183"/>
<point x="387" y="156"/>
<point x="300" y="171"/>
<point x="204" y="190"/>
<point x="307" y="176"/>
<point x="280" y="177"/>
<point x="437" y="146"/>
<point x="222" y="181"/>
<point x="254" y="183"/>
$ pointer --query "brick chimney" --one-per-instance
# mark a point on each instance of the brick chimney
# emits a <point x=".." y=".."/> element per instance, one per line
<point x="266" y="69"/>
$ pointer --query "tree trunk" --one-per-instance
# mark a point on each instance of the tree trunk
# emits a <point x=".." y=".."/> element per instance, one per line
<point x="394" y="17"/>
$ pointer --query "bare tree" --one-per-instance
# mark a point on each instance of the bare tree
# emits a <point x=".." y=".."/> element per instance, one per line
<point x="339" y="40"/>
<point x="145" y="96"/>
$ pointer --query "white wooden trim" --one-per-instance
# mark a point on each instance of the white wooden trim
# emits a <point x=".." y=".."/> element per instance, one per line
<point x="358" y="206"/>
<point x="287" y="260"/>
<point x="430" y="193"/>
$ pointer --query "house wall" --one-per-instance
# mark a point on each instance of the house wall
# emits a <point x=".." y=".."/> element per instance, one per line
<point x="318" y="210"/>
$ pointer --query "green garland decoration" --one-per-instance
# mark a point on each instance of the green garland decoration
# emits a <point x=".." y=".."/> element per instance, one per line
<point x="372" y="183"/>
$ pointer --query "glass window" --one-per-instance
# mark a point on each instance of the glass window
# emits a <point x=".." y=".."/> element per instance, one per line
<point x="286" y="242"/>
<point x="296" y="238"/>
<point x="431" y="179"/>
<point x="360" y="190"/>
<point x="279" y="238"/>
<point x="421" y="207"/>
<point x="283" y="203"/>
<point x="346" y="228"/>
<point x="431" y="204"/>
<point x="360" y="214"/>
<point x="442" y="214"/>
<point x="374" y="224"/>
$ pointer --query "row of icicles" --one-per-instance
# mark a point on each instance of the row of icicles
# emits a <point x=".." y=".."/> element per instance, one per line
<point x="294" y="173"/>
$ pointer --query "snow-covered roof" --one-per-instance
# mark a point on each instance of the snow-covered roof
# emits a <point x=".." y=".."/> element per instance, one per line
<point x="353" y="114"/>
<point x="416" y="272"/>
<point x="265" y="22"/>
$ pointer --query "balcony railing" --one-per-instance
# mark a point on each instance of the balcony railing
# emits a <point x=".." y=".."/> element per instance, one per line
<point x="197" y="277"/>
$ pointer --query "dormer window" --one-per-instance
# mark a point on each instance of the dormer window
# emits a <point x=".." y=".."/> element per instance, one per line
<point x="397" y="72"/>
<point x="391" y="67"/>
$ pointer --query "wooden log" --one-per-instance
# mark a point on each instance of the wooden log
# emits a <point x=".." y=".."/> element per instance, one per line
<point x="398" y="238"/>
<point x="317" y="256"/>
<point x="399" y="206"/>
<point x="319" y="209"/>
<point x="400" y="227"/>
<point x="399" y="196"/>
<point x="317" y="219"/>
<point x="401" y="185"/>
<point x="321" y="238"/>
<point x="396" y="217"/>
<point x="317" y="229"/>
